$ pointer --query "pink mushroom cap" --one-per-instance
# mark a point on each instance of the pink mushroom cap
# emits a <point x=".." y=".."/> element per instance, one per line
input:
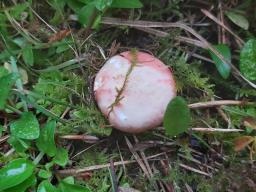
<point x="149" y="88"/>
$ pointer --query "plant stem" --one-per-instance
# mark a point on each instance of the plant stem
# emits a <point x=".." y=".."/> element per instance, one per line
<point x="11" y="108"/>
<point x="38" y="158"/>
<point x="18" y="82"/>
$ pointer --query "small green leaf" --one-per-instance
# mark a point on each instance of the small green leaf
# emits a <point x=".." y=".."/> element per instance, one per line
<point x="16" y="10"/>
<point x="1" y="130"/>
<point x="69" y="180"/>
<point x="129" y="4"/>
<point x="27" y="55"/>
<point x="44" y="174"/>
<point x="46" y="186"/>
<point x="75" y="5"/>
<point x="102" y="4"/>
<point x="20" y="41"/>
<point x="223" y="68"/>
<point x="6" y="83"/>
<point x="15" y="173"/>
<point x="176" y="117"/>
<point x="86" y="13"/>
<point x="238" y="19"/>
<point x="62" y="48"/>
<point x="27" y="127"/>
<point x="248" y="60"/>
<point x="3" y="71"/>
<point x="45" y="142"/>
<point x="19" y="145"/>
<point x="66" y="187"/>
<point x="61" y="157"/>
<point x="22" y="187"/>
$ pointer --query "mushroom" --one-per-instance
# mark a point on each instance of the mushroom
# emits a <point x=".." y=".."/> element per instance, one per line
<point x="133" y="89"/>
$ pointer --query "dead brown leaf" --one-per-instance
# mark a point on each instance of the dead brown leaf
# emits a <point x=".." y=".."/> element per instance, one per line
<point x="241" y="142"/>
<point x="249" y="122"/>
<point x="59" y="35"/>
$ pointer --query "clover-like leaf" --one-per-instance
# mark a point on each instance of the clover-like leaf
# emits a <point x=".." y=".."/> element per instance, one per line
<point x="27" y="127"/>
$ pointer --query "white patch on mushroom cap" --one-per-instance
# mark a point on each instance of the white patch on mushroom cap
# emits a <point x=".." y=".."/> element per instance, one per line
<point x="149" y="89"/>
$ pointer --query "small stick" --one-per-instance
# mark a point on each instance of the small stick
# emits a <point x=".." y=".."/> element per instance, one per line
<point x="199" y="129"/>
<point x="137" y="157"/>
<point x="194" y="170"/>
<point x="4" y="138"/>
<point x="218" y="103"/>
<point x="86" y="138"/>
<point x="196" y="161"/>
<point x="212" y="17"/>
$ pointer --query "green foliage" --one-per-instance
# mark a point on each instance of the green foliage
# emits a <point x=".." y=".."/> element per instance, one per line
<point x="187" y="75"/>
<point x="6" y="83"/>
<point x="59" y="87"/>
<point x="66" y="187"/>
<point x="238" y="113"/>
<point x="28" y="56"/>
<point x="45" y="143"/>
<point x="27" y="127"/>
<point x="46" y="186"/>
<point x="18" y="144"/>
<point x="61" y="157"/>
<point x="15" y="173"/>
<point x="223" y="67"/>
<point x="90" y="12"/>
<point x="176" y="117"/>
<point x="88" y="120"/>
<point x="248" y="59"/>
<point x="126" y="4"/>
<point x="22" y="187"/>
<point x="44" y="174"/>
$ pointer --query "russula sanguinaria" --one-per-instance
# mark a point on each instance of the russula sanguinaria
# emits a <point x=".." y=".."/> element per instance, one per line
<point x="133" y="89"/>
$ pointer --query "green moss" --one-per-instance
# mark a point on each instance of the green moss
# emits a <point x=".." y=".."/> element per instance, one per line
<point x="188" y="76"/>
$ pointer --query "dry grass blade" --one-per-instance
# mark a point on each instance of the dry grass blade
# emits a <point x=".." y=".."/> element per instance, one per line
<point x="199" y="129"/>
<point x="85" y="138"/>
<point x="194" y="170"/>
<point x="212" y="17"/>
<point x="137" y="157"/>
<point x="4" y="138"/>
<point x="113" y="176"/>
<point x="219" y="103"/>
<point x="159" y="33"/>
